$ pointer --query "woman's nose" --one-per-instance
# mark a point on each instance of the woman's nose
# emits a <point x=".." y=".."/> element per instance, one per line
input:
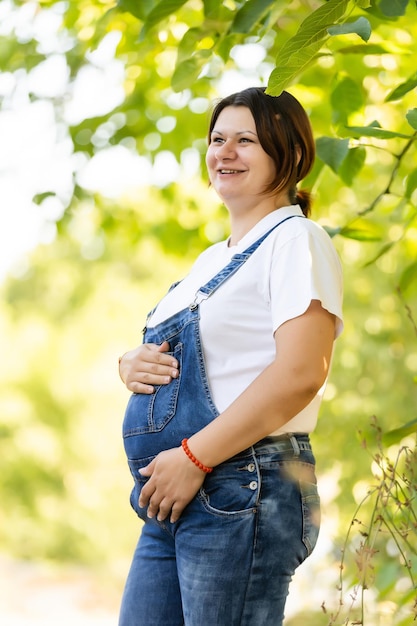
<point x="225" y="150"/>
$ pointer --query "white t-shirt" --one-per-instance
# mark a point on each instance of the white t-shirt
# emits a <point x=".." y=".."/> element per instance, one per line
<point x="294" y="265"/>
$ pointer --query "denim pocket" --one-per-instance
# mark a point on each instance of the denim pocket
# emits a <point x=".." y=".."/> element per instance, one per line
<point x="150" y="413"/>
<point x="135" y="465"/>
<point x="293" y="489"/>
<point x="310" y="501"/>
<point x="231" y="490"/>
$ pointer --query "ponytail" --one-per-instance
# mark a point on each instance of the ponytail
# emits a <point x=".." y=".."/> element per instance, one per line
<point x="303" y="198"/>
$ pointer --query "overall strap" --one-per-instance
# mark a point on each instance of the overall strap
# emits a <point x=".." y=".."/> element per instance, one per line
<point x="232" y="267"/>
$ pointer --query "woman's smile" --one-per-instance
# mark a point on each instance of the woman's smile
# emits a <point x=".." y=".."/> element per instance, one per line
<point x="235" y="154"/>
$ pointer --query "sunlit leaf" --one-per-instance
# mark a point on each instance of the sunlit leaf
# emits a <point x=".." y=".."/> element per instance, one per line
<point x="352" y="164"/>
<point x="138" y="9"/>
<point x="408" y="277"/>
<point x="226" y="43"/>
<point x="189" y="70"/>
<point x="411" y="183"/>
<point x="249" y="14"/>
<point x="313" y="29"/>
<point x="218" y="18"/>
<point x="375" y="131"/>
<point x="394" y="436"/>
<point x="332" y="151"/>
<point x="412" y="118"/>
<point x="188" y="44"/>
<point x="360" y="27"/>
<point x="402" y="89"/>
<point x="347" y="96"/>
<point x="211" y="8"/>
<point x="361" y="233"/>
<point x="297" y="53"/>
<point x="163" y="9"/>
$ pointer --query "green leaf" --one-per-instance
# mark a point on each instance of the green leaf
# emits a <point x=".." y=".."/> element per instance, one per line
<point x="332" y="151"/>
<point x="361" y="49"/>
<point x="375" y="131"/>
<point x="187" y="72"/>
<point x="361" y="27"/>
<point x="226" y="44"/>
<point x="40" y="197"/>
<point x="408" y="277"/>
<point x="332" y="231"/>
<point x="402" y="89"/>
<point x="411" y="183"/>
<point x="393" y="8"/>
<point x="394" y="436"/>
<point x="412" y="118"/>
<point x="347" y="96"/>
<point x="217" y="14"/>
<point x="138" y="9"/>
<point x="188" y="44"/>
<point x="352" y="164"/>
<point x="281" y="77"/>
<point x="299" y="51"/>
<point x="211" y="8"/>
<point x="362" y="233"/>
<point x="249" y="15"/>
<point x="163" y="9"/>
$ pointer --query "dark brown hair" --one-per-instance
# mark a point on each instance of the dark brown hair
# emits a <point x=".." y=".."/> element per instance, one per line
<point x="284" y="132"/>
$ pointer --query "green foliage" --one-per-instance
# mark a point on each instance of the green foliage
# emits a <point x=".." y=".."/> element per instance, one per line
<point x="383" y="549"/>
<point x="78" y="302"/>
<point x="299" y="51"/>
<point x="249" y="15"/>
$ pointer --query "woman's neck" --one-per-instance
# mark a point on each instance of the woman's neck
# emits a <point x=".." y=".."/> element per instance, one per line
<point x="242" y="221"/>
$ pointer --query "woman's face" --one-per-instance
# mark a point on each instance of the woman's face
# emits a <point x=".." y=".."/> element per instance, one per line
<point x="236" y="162"/>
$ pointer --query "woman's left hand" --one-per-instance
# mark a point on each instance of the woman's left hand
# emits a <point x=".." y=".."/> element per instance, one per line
<point x="173" y="483"/>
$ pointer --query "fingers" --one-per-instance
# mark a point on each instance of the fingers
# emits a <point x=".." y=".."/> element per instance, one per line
<point x="148" y="365"/>
<point x="149" y="497"/>
<point x="147" y="492"/>
<point x="136" y="387"/>
<point x="173" y="482"/>
<point x="176" y="511"/>
<point x="164" y="347"/>
<point x="143" y="382"/>
<point x="164" y="509"/>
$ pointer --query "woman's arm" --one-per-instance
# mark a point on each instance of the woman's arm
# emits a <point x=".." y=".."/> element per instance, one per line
<point x="281" y="391"/>
<point x="301" y="365"/>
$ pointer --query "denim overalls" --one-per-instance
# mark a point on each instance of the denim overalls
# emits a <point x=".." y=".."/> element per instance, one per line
<point x="230" y="557"/>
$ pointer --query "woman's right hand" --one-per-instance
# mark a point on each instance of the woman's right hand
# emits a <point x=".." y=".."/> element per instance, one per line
<point x="147" y="365"/>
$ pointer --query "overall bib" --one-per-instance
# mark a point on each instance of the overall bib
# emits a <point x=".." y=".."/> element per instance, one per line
<point x="230" y="557"/>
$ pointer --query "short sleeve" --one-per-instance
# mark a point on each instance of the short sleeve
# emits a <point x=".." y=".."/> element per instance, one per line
<point x="305" y="267"/>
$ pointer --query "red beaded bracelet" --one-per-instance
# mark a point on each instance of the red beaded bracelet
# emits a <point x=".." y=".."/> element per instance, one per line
<point x="204" y="468"/>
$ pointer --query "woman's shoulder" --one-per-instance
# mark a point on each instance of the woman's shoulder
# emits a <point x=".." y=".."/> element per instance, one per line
<point x="301" y="239"/>
<point x="302" y="228"/>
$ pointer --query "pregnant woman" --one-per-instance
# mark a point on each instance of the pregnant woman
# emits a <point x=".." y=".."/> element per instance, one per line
<point x="227" y="386"/>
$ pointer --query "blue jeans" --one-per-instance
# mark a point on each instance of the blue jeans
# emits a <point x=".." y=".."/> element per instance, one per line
<point x="229" y="559"/>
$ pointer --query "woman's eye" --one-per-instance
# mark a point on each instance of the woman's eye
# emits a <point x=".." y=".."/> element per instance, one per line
<point x="216" y="140"/>
<point x="245" y="140"/>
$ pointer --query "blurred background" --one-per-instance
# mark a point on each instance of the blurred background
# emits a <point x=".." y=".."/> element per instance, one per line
<point x="104" y="203"/>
